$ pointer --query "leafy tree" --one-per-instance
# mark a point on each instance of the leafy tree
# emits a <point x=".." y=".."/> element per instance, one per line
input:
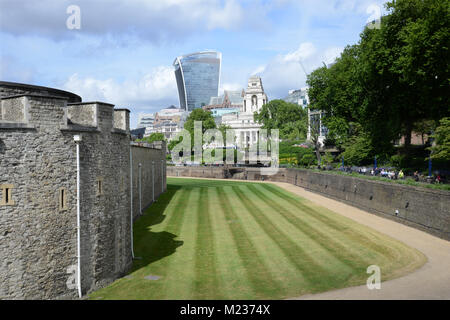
<point x="327" y="158"/>
<point x="424" y="127"/>
<point x="223" y="129"/>
<point x="306" y="159"/>
<point x="395" y="78"/>
<point x="199" y="115"/>
<point x="289" y="118"/>
<point x="441" y="149"/>
<point x="174" y="142"/>
<point x="156" y="136"/>
<point x="336" y="91"/>
<point x="404" y="69"/>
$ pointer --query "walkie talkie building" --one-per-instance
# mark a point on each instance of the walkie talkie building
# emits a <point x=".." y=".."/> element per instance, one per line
<point x="197" y="77"/>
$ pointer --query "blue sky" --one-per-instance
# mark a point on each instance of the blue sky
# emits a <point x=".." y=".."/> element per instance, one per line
<point x="124" y="50"/>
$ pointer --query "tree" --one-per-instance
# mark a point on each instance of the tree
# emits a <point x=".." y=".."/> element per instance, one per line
<point x="404" y="68"/>
<point x="156" y="136"/>
<point x="394" y="78"/>
<point x="424" y="127"/>
<point x="199" y="115"/>
<point x="441" y="148"/>
<point x="223" y="129"/>
<point x="289" y="118"/>
<point x="336" y="91"/>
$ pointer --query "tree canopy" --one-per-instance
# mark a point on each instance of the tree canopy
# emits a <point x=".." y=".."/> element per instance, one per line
<point x="199" y="115"/>
<point x="391" y="81"/>
<point x="289" y="118"/>
<point x="156" y="136"/>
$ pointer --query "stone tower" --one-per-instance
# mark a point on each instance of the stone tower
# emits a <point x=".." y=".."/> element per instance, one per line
<point x="254" y="97"/>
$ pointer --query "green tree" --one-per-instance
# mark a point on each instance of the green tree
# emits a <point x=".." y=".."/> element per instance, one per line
<point x="404" y="69"/>
<point x="156" y="136"/>
<point x="199" y="115"/>
<point x="396" y="77"/>
<point x="441" y="148"/>
<point x="337" y="91"/>
<point x="289" y="118"/>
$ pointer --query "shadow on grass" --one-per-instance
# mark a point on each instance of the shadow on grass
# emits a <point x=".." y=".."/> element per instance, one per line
<point x="153" y="246"/>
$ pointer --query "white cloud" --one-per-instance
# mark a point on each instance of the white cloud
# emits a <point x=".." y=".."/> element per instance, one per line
<point x="154" y="88"/>
<point x="304" y="51"/>
<point x="153" y="20"/>
<point x="285" y="71"/>
<point x="259" y="70"/>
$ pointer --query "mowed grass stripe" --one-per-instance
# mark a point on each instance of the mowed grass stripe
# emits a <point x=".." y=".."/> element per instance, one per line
<point x="258" y="274"/>
<point x="337" y="223"/>
<point x="353" y="248"/>
<point x="205" y="264"/>
<point x="341" y="253"/>
<point x="321" y="255"/>
<point x="146" y="243"/>
<point x="149" y="244"/>
<point x="232" y="274"/>
<point x="318" y="278"/>
<point x="273" y="258"/>
<point x="180" y="274"/>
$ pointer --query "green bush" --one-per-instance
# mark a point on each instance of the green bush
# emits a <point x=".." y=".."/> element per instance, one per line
<point x="307" y="160"/>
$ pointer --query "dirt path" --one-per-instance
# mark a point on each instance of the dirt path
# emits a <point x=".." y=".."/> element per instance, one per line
<point x="432" y="281"/>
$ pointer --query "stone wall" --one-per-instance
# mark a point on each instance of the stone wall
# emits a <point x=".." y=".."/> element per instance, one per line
<point x="38" y="195"/>
<point x="149" y="175"/>
<point x="425" y="209"/>
<point x="422" y="208"/>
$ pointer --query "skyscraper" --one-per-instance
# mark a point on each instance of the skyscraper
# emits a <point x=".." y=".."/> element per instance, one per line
<point x="197" y="76"/>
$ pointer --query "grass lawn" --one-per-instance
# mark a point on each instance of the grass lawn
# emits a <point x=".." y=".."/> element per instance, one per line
<point x="212" y="239"/>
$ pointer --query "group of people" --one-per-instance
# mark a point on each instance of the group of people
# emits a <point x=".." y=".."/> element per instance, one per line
<point x="391" y="173"/>
<point x="387" y="173"/>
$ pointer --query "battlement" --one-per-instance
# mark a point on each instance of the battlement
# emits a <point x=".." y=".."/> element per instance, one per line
<point x="37" y="110"/>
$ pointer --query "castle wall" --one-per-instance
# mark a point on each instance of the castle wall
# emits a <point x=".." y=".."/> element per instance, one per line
<point x="38" y="190"/>
<point x="149" y="175"/>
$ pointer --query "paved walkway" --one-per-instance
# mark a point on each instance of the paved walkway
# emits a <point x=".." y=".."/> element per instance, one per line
<point x="431" y="281"/>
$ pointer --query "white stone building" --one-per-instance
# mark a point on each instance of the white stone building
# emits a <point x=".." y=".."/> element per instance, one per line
<point x="246" y="129"/>
<point x="168" y="121"/>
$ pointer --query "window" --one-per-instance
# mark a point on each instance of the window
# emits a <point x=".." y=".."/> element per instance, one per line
<point x="62" y="199"/>
<point x="6" y="199"/>
<point x="99" y="186"/>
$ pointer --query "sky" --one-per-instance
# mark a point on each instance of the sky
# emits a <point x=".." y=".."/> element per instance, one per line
<point x="123" y="50"/>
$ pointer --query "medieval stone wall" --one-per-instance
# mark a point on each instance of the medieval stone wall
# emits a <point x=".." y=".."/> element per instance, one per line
<point x="38" y="195"/>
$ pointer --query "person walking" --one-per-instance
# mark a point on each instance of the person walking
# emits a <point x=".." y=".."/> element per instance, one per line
<point x="416" y="176"/>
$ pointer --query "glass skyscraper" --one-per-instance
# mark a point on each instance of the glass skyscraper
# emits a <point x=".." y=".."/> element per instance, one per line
<point x="197" y="76"/>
